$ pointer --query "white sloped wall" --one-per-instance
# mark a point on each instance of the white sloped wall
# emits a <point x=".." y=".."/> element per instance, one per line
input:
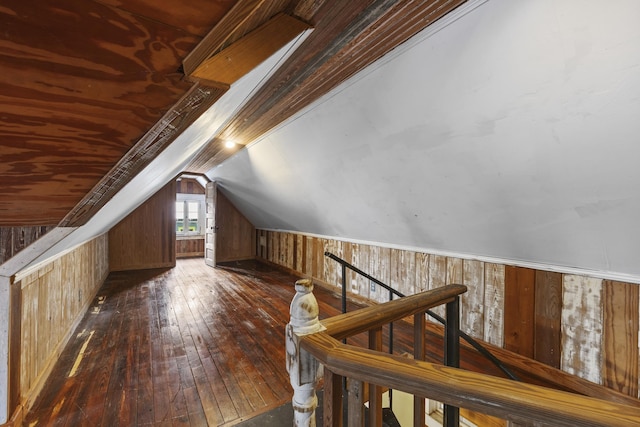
<point x="513" y="133"/>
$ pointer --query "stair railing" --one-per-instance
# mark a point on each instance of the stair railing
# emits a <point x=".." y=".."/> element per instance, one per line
<point x="310" y="341"/>
<point x="393" y="292"/>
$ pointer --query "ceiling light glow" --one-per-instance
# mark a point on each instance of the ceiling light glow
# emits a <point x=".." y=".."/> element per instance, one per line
<point x="229" y="144"/>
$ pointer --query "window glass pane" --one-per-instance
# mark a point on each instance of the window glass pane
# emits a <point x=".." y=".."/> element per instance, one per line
<point x="179" y="217"/>
<point x="194" y="208"/>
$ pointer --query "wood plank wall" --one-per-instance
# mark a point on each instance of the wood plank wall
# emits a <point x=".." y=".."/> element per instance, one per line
<point x="582" y="325"/>
<point x="235" y="235"/>
<point x="146" y="237"/>
<point x="54" y="298"/>
<point x="15" y="239"/>
<point x="189" y="246"/>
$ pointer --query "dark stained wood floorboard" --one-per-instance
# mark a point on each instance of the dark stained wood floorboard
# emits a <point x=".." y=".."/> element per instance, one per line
<point x="188" y="346"/>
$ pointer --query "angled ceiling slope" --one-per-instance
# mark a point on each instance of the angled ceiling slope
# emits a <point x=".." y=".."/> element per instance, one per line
<point x="93" y="91"/>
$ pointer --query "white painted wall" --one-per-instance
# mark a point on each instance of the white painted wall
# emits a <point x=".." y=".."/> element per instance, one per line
<point x="511" y="133"/>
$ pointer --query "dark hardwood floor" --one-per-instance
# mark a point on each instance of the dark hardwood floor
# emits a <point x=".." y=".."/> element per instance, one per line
<point x="190" y="346"/>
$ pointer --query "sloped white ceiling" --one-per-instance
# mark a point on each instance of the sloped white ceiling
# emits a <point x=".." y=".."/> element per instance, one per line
<point x="512" y="133"/>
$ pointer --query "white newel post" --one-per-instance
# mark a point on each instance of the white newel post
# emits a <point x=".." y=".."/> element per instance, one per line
<point x="304" y="369"/>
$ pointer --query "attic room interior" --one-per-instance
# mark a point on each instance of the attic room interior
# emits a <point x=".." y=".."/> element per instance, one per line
<point x="170" y="166"/>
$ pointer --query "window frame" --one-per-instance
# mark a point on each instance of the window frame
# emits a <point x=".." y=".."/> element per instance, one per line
<point x="185" y="199"/>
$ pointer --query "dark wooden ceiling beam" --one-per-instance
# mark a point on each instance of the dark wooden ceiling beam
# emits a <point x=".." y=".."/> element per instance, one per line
<point x="375" y="31"/>
<point x="244" y="17"/>
<point x="238" y="59"/>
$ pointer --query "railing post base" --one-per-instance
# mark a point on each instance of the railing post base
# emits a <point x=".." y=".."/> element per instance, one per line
<point x="304" y="370"/>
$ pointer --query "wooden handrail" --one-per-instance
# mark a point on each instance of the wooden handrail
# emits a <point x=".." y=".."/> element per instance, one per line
<point x="494" y="396"/>
<point x="352" y="323"/>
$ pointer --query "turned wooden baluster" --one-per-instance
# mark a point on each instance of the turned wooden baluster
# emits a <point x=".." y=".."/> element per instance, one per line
<point x="304" y="369"/>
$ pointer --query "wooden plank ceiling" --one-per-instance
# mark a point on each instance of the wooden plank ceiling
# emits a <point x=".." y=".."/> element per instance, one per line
<point x="91" y="91"/>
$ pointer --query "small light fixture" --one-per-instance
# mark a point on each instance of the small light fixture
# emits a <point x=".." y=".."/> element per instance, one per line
<point x="229" y="144"/>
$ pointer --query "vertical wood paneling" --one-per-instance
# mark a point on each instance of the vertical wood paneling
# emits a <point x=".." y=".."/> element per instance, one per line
<point x="235" y="234"/>
<point x="522" y="309"/>
<point x="15" y="239"/>
<point x="360" y="259"/>
<point x="548" y="317"/>
<point x="403" y="271"/>
<point x="379" y="266"/>
<point x="472" y="302"/>
<point x="437" y="277"/>
<point x="519" y="310"/>
<point x="620" y="337"/>
<point x="15" y="345"/>
<point x="454" y="271"/>
<point x="299" y="253"/>
<point x="53" y="298"/>
<point x="318" y="257"/>
<point x="494" y="304"/>
<point x="333" y="269"/>
<point x="582" y="327"/>
<point x="422" y="272"/>
<point x="146" y="237"/>
<point x="309" y="256"/>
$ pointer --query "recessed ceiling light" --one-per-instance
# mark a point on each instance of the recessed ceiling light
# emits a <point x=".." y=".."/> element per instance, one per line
<point x="229" y="144"/>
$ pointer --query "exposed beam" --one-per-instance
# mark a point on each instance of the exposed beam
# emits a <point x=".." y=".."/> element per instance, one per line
<point x="238" y="21"/>
<point x="163" y="133"/>
<point x="242" y="56"/>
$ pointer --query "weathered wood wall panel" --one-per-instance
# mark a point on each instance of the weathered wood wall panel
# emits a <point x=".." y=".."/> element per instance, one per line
<point x="15" y="239"/>
<point x="494" y="304"/>
<point x="548" y="317"/>
<point x="189" y="247"/>
<point x="582" y="327"/>
<point x="437" y="277"/>
<point x="620" y="336"/>
<point x="519" y="310"/>
<point x="146" y="237"/>
<point x="189" y="186"/>
<point x="472" y="302"/>
<point x="235" y="239"/>
<point x="580" y="324"/>
<point x="53" y="298"/>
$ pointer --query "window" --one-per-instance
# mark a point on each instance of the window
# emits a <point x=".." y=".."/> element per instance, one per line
<point x="189" y="214"/>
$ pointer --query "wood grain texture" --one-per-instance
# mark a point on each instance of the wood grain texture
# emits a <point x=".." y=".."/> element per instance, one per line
<point x="92" y="80"/>
<point x="403" y="271"/>
<point x="15" y="348"/>
<point x="494" y="304"/>
<point x="582" y="314"/>
<point x="189" y="186"/>
<point x="189" y="247"/>
<point x="437" y="277"/>
<point x="238" y="59"/>
<point x="185" y="111"/>
<point x="380" y="268"/>
<point x="15" y="239"/>
<point x="196" y="17"/>
<point x="146" y="237"/>
<point x="472" y="306"/>
<point x="242" y="18"/>
<point x="360" y="259"/>
<point x="347" y="36"/>
<point x="519" y="310"/>
<point x="548" y="317"/>
<point x="495" y="396"/>
<point x="422" y="271"/>
<point x="235" y="234"/>
<point x="53" y="299"/>
<point x="620" y="336"/>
